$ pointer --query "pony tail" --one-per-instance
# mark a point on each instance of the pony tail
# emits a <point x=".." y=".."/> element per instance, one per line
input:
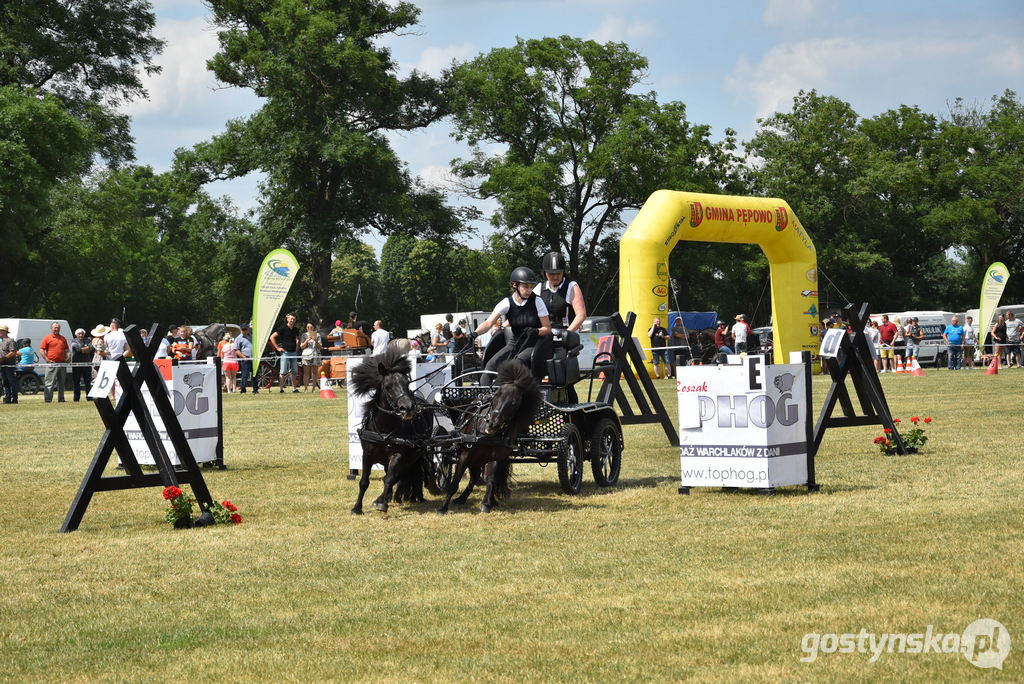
<point x="502" y="473"/>
<point x="409" y="487"/>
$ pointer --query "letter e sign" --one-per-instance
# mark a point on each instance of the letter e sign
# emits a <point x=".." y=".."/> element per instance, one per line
<point x="755" y="372"/>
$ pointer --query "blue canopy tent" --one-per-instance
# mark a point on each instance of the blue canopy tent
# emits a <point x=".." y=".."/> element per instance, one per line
<point x="694" y="320"/>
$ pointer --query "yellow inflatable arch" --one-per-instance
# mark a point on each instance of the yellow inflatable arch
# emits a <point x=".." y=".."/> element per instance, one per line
<point x="668" y="217"/>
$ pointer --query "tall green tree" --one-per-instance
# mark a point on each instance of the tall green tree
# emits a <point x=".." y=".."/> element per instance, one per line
<point x="811" y="157"/>
<point x="65" y="67"/>
<point x="129" y="240"/>
<point x="331" y="94"/>
<point x="578" y="145"/>
<point x="90" y="54"/>
<point x="981" y="172"/>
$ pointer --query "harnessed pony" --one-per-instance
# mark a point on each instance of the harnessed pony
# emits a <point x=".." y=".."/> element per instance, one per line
<point x="489" y="434"/>
<point x="391" y="429"/>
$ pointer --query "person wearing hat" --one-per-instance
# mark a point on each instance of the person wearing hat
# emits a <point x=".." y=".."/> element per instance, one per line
<point x="243" y="349"/>
<point x="740" y="330"/>
<point x="8" y="361"/>
<point x="528" y="333"/>
<point x="81" y="356"/>
<point x="99" y="344"/>
<point x="117" y="343"/>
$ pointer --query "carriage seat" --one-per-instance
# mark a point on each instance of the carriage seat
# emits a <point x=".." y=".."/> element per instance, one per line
<point x="564" y="365"/>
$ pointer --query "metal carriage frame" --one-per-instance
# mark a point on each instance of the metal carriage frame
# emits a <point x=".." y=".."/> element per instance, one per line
<point x="565" y="435"/>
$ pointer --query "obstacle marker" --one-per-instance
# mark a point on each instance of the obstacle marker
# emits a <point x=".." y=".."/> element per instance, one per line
<point x="993" y="368"/>
<point x="325" y="388"/>
<point x="916" y="367"/>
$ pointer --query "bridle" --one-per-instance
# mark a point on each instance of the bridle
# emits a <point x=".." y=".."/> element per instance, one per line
<point x="386" y="403"/>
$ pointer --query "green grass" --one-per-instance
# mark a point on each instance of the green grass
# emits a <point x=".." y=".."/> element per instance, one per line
<point x="634" y="582"/>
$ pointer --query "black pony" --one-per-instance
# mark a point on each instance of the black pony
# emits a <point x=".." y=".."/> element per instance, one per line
<point x="208" y="338"/>
<point x="509" y="413"/>
<point x="390" y="430"/>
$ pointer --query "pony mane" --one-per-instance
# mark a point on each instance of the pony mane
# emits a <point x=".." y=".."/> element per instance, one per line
<point x="369" y="375"/>
<point x="519" y="375"/>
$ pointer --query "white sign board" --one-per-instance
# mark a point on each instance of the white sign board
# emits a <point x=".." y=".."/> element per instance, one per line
<point x="106" y="378"/>
<point x="831" y="341"/>
<point x="743" y="425"/>
<point x="426" y="378"/>
<point x="195" y="397"/>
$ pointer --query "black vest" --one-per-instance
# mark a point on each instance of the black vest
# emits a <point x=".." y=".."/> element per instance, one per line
<point x="559" y="309"/>
<point x="522" y="317"/>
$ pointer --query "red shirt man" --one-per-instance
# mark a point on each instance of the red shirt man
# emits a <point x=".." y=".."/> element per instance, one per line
<point x="887" y="331"/>
<point x="55" y="346"/>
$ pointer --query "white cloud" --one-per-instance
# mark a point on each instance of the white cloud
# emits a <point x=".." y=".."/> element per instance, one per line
<point x="184" y="77"/>
<point x="436" y="176"/>
<point x="434" y="60"/>
<point x="874" y="73"/>
<point x="614" y="28"/>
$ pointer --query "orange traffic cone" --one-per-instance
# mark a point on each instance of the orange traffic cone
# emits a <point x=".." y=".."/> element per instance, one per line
<point x="916" y="367"/>
<point x="993" y="368"/>
<point x="902" y="368"/>
<point x="325" y="388"/>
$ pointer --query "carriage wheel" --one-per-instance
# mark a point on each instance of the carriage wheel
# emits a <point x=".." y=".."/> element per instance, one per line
<point x="440" y="469"/>
<point x="265" y="375"/>
<point x="605" y="452"/>
<point x="29" y="384"/>
<point x="570" y="461"/>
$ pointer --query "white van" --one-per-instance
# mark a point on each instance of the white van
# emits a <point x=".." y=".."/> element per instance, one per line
<point x="427" y="321"/>
<point x="1017" y="309"/>
<point x="933" y="323"/>
<point x="36" y="329"/>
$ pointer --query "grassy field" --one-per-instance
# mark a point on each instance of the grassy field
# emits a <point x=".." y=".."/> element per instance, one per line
<point x="630" y="583"/>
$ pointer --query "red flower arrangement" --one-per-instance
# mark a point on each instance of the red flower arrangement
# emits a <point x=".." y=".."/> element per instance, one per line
<point x="180" y="512"/>
<point x="225" y="512"/>
<point x="914" y="439"/>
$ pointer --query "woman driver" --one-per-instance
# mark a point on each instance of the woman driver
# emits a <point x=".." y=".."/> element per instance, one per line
<point x="526" y="317"/>
<point x="563" y="297"/>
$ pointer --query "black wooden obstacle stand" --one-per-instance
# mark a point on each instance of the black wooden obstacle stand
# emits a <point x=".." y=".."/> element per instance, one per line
<point x="115" y="439"/>
<point x="854" y="359"/>
<point x="650" y="408"/>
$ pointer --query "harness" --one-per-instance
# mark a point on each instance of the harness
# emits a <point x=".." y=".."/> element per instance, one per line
<point x="375" y="436"/>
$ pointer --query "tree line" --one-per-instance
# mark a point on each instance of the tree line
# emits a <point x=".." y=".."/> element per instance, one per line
<point x="906" y="208"/>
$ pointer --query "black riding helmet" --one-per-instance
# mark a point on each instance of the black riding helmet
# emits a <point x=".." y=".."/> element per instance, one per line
<point x="553" y="262"/>
<point x="523" y="274"/>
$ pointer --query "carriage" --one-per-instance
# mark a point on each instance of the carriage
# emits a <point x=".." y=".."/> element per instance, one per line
<point x="430" y="439"/>
<point x="565" y="432"/>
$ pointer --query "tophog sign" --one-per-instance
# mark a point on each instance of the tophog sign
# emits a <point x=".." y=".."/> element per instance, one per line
<point x="743" y="425"/>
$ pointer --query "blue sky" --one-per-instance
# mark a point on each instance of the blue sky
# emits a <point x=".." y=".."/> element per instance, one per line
<point x="729" y="62"/>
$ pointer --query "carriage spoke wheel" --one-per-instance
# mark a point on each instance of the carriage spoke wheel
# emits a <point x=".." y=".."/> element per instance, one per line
<point x="440" y="469"/>
<point x="265" y="375"/>
<point x="605" y="452"/>
<point x="570" y="461"/>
